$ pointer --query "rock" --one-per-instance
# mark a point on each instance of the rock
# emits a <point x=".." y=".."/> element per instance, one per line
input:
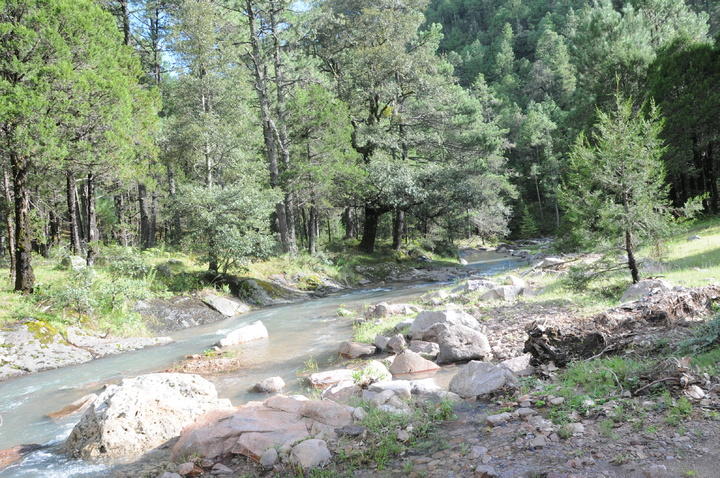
<point x="485" y="471"/>
<point x="576" y="428"/>
<point x="327" y="412"/>
<point x="310" y="454"/>
<point x="498" y="419"/>
<point x="516" y="281"/>
<point x="695" y="392"/>
<point x="187" y="469"/>
<point x="644" y="288"/>
<point x="79" y="405"/>
<point x="474" y="285"/>
<point x="101" y="346"/>
<point x="15" y="454"/>
<point x="694" y="238"/>
<point x="427" y="389"/>
<point x="373" y="371"/>
<point x="381" y="342"/>
<point x="353" y="350"/>
<point x="383" y="309"/>
<point x="141" y="413"/>
<point x="437" y="297"/>
<point x="76" y="263"/>
<point x="401" y="388"/>
<point x="270" y="385"/>
<point x="167" y="474"/>
<point x="359" y="414"/>
<point x="269" y="458"/>
<point x="330" y="377"/>
<point x="458" y="342"/>
<point x="227" y="307"/>
<point x="519" y="365"/>
<point x="246" y="333"/>
<point x="451" y="317"/>
<point x="396" y="343"/>
<point x="177" y="313"/>
<point x="409" y="362"/>
<point x="342" y="392"/>
<point x="219" y="469"/>
<point x="538" y="442"/>
<point x="428" y="350"/>
<point x="403" y="435"/>
<point x="557" y="401"/>
<point x="480" y="378"/>
<point x="503" y="292"/>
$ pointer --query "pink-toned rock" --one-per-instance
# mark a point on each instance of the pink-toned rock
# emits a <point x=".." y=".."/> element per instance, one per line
<point x="410" y="362"/>
<point x="327" y="412"/>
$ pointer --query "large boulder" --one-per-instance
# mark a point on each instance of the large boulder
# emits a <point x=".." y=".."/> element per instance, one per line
<point x="383" y="309"/>
<point x="373" y="371"/>
<point x="342" y="392"/>
<point x="480" y="378"/>
<point x="310" y="454"/>
<point x="246" y="333"/>
<point x="458" y="343"/>
<point x="408" y="363"/>
<point x="396" y="343"/>
<point x="645" y="288"/>
<point x="177" y="312"/>
<point x="251" y="429"/>
<point x="227" y="307"/>
<point x="503" y="292"/>
<point x="451" y="317"/>
<point x="140" y="414"/>
<point x="474" y="285"/>
<point x="353" y="350"/>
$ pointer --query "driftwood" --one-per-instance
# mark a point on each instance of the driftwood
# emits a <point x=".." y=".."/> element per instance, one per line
<point x="614" y="330"/>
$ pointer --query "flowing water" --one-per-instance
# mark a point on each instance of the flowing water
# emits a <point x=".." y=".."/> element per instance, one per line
<point x="298" y="332"/>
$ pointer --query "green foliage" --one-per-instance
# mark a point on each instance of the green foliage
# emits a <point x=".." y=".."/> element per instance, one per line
<point x="227" y="226"/>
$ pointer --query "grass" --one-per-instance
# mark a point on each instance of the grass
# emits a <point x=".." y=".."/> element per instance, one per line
<point x="366" y="331"/>
<point x="381" y="444"/>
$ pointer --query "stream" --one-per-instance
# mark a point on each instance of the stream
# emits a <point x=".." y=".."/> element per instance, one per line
<point x="298" y="332"/>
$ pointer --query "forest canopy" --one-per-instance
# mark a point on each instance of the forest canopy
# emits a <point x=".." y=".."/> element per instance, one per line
<point x="238" y="129"/>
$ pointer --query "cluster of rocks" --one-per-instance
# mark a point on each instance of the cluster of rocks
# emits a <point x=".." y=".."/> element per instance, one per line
<point x="31" y="346"/>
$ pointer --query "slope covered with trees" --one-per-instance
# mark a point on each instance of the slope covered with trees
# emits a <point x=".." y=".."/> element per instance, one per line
<point x="240" y="129"/>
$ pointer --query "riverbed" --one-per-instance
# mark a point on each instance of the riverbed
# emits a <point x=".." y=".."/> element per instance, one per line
<point x="299" y="332"/>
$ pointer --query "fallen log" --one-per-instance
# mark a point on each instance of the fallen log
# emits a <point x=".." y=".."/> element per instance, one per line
<point x="616" y="329"/>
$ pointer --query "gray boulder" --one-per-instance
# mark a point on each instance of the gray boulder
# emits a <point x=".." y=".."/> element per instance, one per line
<point x="480" y="378"/>
<point x="449" y="316"/>
<point x="458" y="342"/>
<point x="227" y="307"/>
<point x="247" y="333"/>
<point x="645" y="288"/>
<point x="396" y="343"/>
<point x="409" y="362"/>
<point x="310" y="454"/>
<point x="503" y="292"/>
<point x="140" y="414"/>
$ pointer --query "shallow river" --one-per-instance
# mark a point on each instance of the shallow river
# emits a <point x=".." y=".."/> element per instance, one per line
<point x="298" y="332"/>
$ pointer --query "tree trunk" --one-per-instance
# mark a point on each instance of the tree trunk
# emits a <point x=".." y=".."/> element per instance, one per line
<point x="632" y="265"/>
<point x="398" y="227"/>
<point x="372" y="218"/>
<point x="55" y="225"/>
<point x="24" y="276"/>
<point x="92" y="230"/>
<point x="348" y="220"/>
<point x="312" y="229"/>
<point x="125" y="21"/>
<point x="9" y="224"/>
<point x="145" y="231"/>
<point x="71" y="195"/>
<point x="271" y="153"/>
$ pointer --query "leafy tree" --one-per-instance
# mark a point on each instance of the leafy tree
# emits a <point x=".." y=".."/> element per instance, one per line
<point x="226" y="226"/>
<point x="615" y="185"/>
